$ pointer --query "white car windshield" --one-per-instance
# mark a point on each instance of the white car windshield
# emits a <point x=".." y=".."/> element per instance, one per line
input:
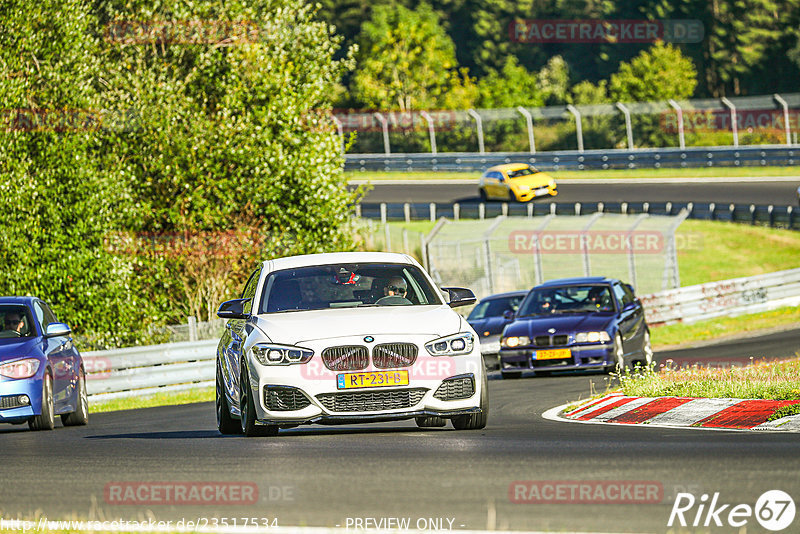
<point x="346" y="286"/>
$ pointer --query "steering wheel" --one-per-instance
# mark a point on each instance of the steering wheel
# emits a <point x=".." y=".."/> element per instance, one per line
<point x="393" y="300"/>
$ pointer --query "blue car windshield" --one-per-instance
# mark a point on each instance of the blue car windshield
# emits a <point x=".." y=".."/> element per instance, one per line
<point x="495" y="307"/>
<point x="568" y="299"/>
<point x="17" y="321"/>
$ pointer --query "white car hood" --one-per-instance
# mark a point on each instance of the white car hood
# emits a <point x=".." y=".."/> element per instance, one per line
<point x="293" y="328"/>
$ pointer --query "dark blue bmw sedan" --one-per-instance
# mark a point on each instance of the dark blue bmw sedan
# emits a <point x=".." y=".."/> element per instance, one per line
<point x="590" y="323"/>
<point x="41" y="372"/>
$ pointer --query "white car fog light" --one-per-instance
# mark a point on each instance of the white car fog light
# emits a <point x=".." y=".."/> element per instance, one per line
<point x="24" y="400"/>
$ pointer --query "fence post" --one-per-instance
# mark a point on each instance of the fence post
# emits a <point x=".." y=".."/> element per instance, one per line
<point x="339" y="129"/>
<point x="385" y="127"/>
<point x="388" y="237"/>
<point x="456" y="211"/>
<point x="481" y="211"/>
<point x="383" y="212"/>
<point x="529" y="123"/>
<point x="431" y="130"/>
<point x="192" y="321"/>
<point x="479" y="124"/>
<point x="407" y="211"/>
<point x="628" y="129"/>
<point x="734" y="121"/>
<point x="405" y="241"/>
<point x="679" y="111"/>
<point x="432" y="208"/>
<point x="358" y="211"/>
<point x="785" y="107"/>
<point x="578" y="126"/>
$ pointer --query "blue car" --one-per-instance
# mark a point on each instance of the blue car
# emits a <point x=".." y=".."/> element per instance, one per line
<point x="590" y="323"/>
<point x="489" y="317"/>
<point x="41" y="371"/>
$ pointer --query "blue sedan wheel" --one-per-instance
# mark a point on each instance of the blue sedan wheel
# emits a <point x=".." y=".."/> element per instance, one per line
<point x="46" y="420"/>
<point x="80" y="416"/>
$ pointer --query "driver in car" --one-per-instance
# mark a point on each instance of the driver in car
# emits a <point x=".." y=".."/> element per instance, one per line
<point x="14" y="321"/>
<point x="394" y="292"/>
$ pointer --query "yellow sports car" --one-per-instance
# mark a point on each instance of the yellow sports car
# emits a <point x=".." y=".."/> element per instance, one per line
<point x="516" y="181"/>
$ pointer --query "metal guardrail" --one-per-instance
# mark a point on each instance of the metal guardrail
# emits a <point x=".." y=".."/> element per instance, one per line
<point x="726" y="298"/>
<point x="642" y="158"/>
<point x="773" y="216"/>
<point x="150" y="369"/>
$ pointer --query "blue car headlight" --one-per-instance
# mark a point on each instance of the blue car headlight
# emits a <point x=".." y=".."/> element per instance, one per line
<point x="272" y="354"/>
<point x="455" y="345"/>
<point x="512" y="342"/>
<point x="592" y="337"/>
<point x="20" y="369"/>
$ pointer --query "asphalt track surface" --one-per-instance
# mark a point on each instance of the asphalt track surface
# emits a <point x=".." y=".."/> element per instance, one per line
<point x="779" y="193"/>
<point x="321" y="476"/>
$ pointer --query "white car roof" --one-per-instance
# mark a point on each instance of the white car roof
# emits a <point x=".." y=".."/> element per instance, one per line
<point x="294" y="262"/>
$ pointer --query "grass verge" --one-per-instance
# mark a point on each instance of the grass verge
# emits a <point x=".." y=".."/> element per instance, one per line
<point x="721" y="327"/>
<point x="762" y="380"/>
<point x="705" y="172"/>
<point x="204" y="394"/>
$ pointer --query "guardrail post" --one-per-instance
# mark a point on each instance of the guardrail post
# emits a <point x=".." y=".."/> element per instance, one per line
<point x="504" y="209"/>
<point x="645" y="209"/>
<point x="785" y="107"/>
<point x="790" y="214"/>
<point x="577" y="208"/>
<point x="432" y="208"/>
<point x="529" y="122"/>
<point x="431" y="130"/>
<point x="732" y="209"/>
<point x="601" y="207"/>
<point x="340" y="130"/>
<point x="385" y="127"/>
<point x="578" y="126"/>
<point x="456" y="211"/>
<point x="624" y="208"/>
<point x="668" y="208"/>
<point x="192" y="320"/>
<point x="358" y="211"/>
<point x="383" y="212"/>
<point x="679" y="111"/>
<point x="752" y="214"/>
<point x="530" y="209"/>
<point x="734" y="121"/>
<point x="711" y="208"/>
<point x="552" y="208"/>
<point x="479" y="124"/>
<point x="770" y="210"/>
<point x="407" y="211"/>
<point x="628" y="129"/>
<point x="481" y="211"/>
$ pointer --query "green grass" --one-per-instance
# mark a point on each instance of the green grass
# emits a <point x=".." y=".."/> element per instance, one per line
<point x="720" y="327"/>
<point x="705" y="172"/>
<point x="205" y="394"/>
<point x="719" y="251"/>
<point x="762" y="380"/>
<point x="786" y="411"/>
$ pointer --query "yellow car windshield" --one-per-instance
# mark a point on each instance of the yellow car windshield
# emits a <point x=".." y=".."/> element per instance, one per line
<point x="522" y="172"/>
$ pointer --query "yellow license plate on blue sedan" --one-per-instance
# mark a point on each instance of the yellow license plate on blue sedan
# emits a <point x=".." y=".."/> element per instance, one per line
<point x="553" y="354"/>
<point x="374" y="379"/>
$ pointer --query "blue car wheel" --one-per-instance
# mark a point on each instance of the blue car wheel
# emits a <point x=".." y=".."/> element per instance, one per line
<point x="46" y="420"/>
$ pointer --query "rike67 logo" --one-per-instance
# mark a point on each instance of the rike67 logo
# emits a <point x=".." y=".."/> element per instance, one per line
<point x="774" y="510"/>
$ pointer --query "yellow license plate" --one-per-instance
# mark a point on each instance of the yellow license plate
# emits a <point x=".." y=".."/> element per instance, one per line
<point x="554" y="354"/>
<point x="375" y="379"/>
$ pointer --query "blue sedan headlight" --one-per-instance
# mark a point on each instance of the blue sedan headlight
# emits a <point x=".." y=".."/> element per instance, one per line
<point x="20" y="369"/>
<point x="592" y="337"/>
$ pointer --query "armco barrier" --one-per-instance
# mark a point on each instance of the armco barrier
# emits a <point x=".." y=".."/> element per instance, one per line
<point x="726" y="298"/>
<point x="150" y="369"/>
<point x="178" y="366"/>
<point x="642" y="158"/>
<point x="773" y="216"/>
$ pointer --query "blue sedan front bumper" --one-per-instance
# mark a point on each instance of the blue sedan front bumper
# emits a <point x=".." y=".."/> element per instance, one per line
<point x="592" y="356"/>
<point x="13" y="409"/>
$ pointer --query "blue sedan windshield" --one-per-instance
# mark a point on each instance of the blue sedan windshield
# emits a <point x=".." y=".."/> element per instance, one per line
<point x="569" y="299"/>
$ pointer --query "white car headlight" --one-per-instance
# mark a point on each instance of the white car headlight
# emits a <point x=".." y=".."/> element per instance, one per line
<point x="592" y="337"/>
<point x="271" y="354"/>
<point x="513" y="342"/>
<point x="455" y="345"/>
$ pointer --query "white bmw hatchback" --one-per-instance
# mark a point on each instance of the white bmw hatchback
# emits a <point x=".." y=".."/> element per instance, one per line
<point x="350" y="337"/>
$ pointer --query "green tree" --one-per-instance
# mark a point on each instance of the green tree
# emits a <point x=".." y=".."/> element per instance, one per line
<point x="660" y="73"/>
<point x="406" y="61"/>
